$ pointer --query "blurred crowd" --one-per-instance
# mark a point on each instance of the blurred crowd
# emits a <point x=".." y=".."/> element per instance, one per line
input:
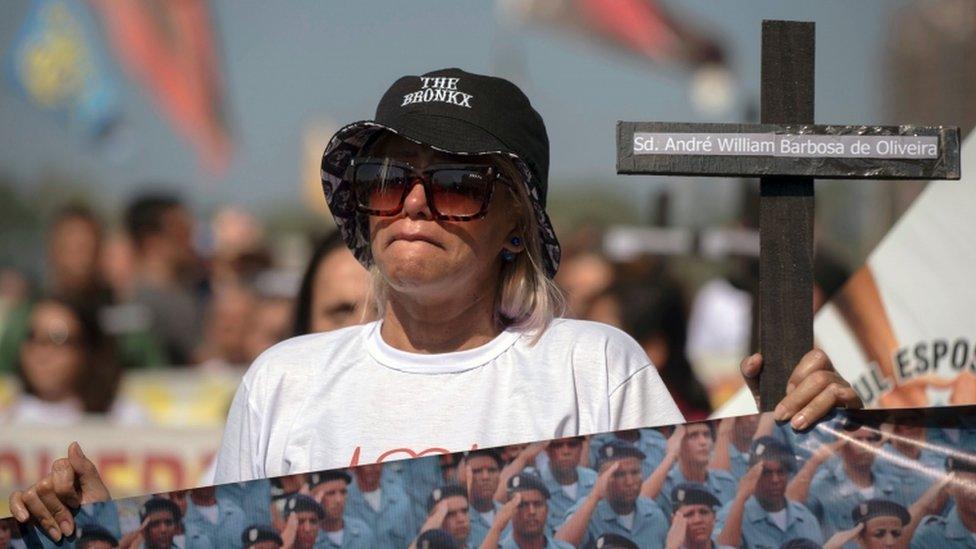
<point x="142" y="294"/>
<point x="854" y="481"/>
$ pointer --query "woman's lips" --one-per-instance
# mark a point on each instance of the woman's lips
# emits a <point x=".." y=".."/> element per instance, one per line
<point x="404" y="237"/>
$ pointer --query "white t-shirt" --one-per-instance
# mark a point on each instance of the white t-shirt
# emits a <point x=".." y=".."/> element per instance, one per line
<point x="571" y="490"/>
<point x="345" y="398"/>
<point x="779" y="519"/>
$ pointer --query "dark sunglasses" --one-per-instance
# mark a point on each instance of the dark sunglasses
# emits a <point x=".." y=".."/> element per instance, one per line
<point x="455" y="192"/>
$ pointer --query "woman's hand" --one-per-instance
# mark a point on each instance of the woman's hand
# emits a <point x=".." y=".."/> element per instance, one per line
<point x="814" y="388"/>
<point x="72" y="482"/>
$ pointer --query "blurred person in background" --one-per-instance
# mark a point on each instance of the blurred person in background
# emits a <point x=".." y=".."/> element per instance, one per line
<point x="67" y="368"/>
<point x="227" y="321"/>
<point x="165" y="269"/>
<point x="270" y="323"/>
<point x="74" y="242"/>
<point x="651" y="309"/>
<point x="583" y="277"/>
<point x="334" y="289"/>
<point x="7" y="529"/>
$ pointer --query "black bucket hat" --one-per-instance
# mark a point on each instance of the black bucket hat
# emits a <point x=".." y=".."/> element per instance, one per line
<point x="455" y="112"/>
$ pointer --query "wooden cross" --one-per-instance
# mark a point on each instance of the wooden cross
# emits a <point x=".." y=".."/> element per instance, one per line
<point x="786" y="151"/>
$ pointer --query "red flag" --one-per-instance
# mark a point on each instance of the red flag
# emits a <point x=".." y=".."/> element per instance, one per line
<point x="168" y="46"/>
<point x="640" y="26"/>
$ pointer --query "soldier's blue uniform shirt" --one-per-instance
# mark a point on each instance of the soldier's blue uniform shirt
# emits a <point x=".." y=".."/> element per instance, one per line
<point x="944" y="533"/>
<point x="252" y="498"/>
<point x="759" y="531"/>
<point x="559" y="500"/>
<point x="509" y="543"/>
<point x="720" y="483"/>
<point x="651" y="442"/>
<point x="833" y="496"/>
<point x="480" y="527"/>
<point x="393" y="525"/>
<point x="355" y="535"/>
<point x="226" y="532"/>
<point x="418" y="477"/>
<point x="649" y="530"/>
<point x="911" y="482"/>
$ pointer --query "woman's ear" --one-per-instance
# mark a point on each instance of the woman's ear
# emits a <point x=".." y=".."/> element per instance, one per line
<point x="515" y="243"/>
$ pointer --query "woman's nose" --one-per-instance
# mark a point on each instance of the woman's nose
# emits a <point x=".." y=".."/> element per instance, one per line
<point x="415" y="203"/>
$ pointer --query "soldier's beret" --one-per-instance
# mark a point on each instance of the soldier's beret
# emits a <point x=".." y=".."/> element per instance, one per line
<point x="159" y="504"/>
<point x="527" y="481"/>
<point x="444" y="492"/>
<point x="301" y="502"/>
<point x="618" y="449"/>
<point x="693" y="493"/>
<point x="256" y="533"/>
<point x="872" y="508"/>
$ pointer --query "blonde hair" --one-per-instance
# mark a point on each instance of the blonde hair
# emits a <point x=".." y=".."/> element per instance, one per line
<point x="525" y="298"/>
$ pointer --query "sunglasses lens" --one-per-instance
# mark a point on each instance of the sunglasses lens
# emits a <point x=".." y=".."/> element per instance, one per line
<point x="379" y="186"/>
<point x="460" y="192"/>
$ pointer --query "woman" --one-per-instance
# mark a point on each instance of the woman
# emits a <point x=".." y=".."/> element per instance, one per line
<point x="67" y="368"/>
<point x="442" y="197"/>
<point x="334" y="289"/>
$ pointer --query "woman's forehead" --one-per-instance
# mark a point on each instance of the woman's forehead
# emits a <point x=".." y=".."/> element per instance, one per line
<point x="394" y="146"/>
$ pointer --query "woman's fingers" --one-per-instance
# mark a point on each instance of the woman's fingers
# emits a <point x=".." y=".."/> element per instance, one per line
<point x="751" y="367"/>
<point x="17" y="506"/>
<point x="40" y="512"/>
<point x="814" y="397"/>
<point x="63" y="476"/>
<point x="811" y="362"/>
<point x="59" y="511"/>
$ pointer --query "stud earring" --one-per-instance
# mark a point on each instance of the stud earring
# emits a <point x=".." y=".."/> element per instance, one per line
<point x="508" y="256"/>
<point x="516" y="241"/>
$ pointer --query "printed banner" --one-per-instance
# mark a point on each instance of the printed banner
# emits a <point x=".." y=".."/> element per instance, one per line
<point x="857" y="479"/>
<point x="902" y="330"/>
<point x="133" y="460"/>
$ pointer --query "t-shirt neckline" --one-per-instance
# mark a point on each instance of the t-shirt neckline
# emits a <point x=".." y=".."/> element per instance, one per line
<point x="439" y="363"/>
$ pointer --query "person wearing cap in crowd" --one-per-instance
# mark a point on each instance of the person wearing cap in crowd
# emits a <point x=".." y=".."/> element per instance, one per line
<point x="383" y="506"/>
<point x="447" y="510"/>
<point x="568" y="481"/>
<point x="733" y="440"/>
<point x="94" y="536"/>
<point x="303" y="519"/>
<point x="611" y="541"/>
<point x="528" y="511"/>
<point x="879" y="524"/>
<point x="957" y="529"/>
<point x="483" y="468"/>
<point x="442" y="197"/>
<point x="339" y="530"/>
<point x="838" y="483"/>
<point x="615" y="504"/>
<point x="649" y="441"/>
<point x="915" y="465"/>
<point x="693" y="520"/>
<point x="261" y="536"/>
<point x="687" y="459"/>
<point x="159" y="526"/>
<point x="760" y="515"/>
<point x="435" y="539"/>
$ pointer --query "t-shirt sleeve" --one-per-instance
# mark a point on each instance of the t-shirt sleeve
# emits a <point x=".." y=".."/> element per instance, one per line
<point x="642" y="400"/>
<point x="236" y="458"/>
